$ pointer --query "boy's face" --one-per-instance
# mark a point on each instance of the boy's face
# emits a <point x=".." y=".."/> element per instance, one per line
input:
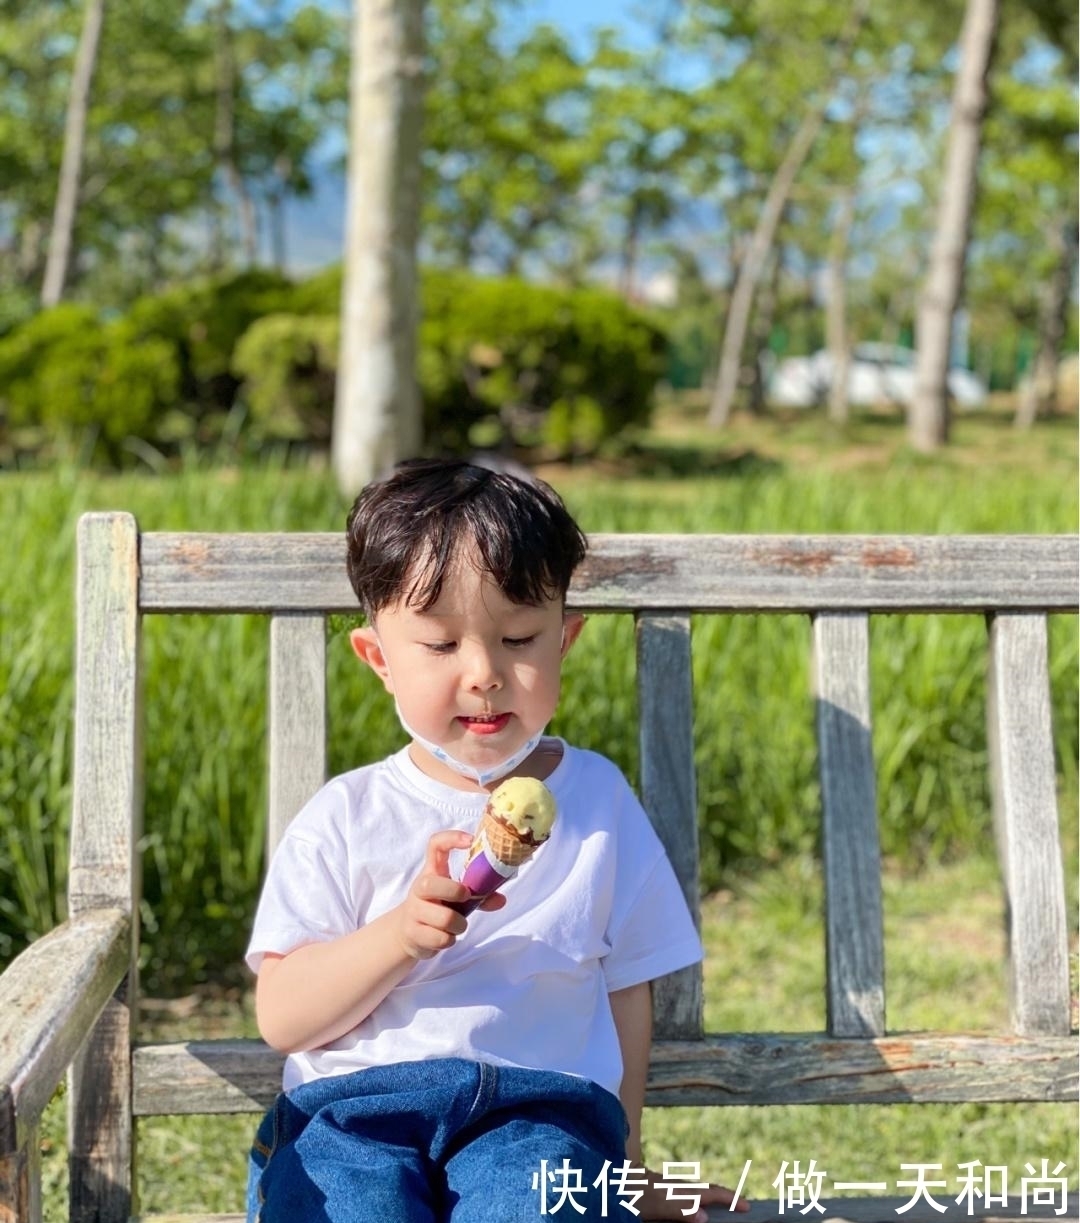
<point x="475" y="673"/>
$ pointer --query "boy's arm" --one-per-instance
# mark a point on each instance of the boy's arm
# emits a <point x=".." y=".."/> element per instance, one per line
<point x="320" y="991"/>
<point x="632" y="1011"/>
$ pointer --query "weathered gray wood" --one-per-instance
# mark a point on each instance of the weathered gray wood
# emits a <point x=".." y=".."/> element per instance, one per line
<point x="20" y="1181"/>
<point x="855" y="955"/>
<point x="104" y="870"/>
<point x="106" y="800"/>
<point x="50" y="996"/>
<point x="238" y="1076"/>
<point x="777" y="573"/>
<point x="206" y="1076"/>
<point x="101" y="1147"/>
<point x="807" y="1068"/>
<point x="297" y="721"/>
<point x="668" y="792"/>
<point x="1026" y="822"/>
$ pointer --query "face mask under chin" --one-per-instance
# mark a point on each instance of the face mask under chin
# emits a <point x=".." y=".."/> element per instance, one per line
<point x="481" y="776"/>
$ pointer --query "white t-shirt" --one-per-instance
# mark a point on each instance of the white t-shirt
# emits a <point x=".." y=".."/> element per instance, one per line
<point x="597" y="909"/>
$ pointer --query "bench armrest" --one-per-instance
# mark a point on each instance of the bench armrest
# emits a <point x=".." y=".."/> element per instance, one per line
<point x="50" y="997"/>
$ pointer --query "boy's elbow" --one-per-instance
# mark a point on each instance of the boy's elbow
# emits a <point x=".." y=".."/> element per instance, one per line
<point x="272" y="1019"/>
<point x="278" y="1039"/>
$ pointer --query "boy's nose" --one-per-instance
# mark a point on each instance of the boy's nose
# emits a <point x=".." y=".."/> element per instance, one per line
<point x="482" y="673"/>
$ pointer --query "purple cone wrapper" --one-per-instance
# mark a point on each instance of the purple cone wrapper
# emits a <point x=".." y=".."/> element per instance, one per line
<point x="483" y="874"/>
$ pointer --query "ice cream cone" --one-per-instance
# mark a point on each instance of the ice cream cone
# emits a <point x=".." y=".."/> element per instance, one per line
<point x="516" y="822"/>
<point x="504" y="842"/>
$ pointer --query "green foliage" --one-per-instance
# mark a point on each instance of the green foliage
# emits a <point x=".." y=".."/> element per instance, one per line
<point x="287" y="363"/>
<point x="203" y="320"/>
<point x="527" y="363"/>
<point x="502" y="362"/>
<point x="65" y="370"/>
<point x="178" y="92"/>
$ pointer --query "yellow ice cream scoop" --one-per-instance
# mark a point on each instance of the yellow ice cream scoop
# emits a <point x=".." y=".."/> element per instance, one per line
<point x="526" y="805"/>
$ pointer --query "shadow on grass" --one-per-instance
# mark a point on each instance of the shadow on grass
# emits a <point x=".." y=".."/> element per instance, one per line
<point x="661" y="460"/>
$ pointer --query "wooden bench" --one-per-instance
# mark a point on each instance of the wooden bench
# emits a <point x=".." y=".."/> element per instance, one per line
<point x="66" y="1004"/>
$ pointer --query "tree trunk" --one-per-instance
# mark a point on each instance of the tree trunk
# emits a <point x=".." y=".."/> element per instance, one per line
<point x="928" y="419"/>
<point x="628" y="259"/>
<point x="225" y="138"/>
<point x="742" y="299"/>
<point x="1039" y="393"/>
<point x="67" y="195"/>
<point x="377" y="417"/>
<point x="837" y="338"/>
<point x="756" y="372"/>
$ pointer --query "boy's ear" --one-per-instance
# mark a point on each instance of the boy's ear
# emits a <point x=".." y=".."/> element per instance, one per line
<point x="366" y="647"/>
<point x="572" y="626"/>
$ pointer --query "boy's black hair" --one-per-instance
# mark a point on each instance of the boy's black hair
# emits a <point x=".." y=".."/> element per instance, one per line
<point x="405" y="532"/>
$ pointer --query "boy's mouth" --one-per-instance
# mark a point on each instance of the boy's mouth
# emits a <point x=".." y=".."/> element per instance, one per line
<point x="485" y="724"/>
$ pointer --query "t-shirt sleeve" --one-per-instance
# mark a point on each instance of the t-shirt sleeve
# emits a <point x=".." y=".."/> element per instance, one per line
<point x="306" y="897"/>
<point x="650" y="930"/>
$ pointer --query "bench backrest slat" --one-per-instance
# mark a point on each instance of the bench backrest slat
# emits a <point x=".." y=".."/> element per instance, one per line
<point x="855" y="958"/>
<point x="296" y="716"/>
<point x="1026" y="823"/>
<point x="306" y="572"/>
<point x="668" y="793"/>
<point x="106" y="826"/>
<point x="107" y="766"/>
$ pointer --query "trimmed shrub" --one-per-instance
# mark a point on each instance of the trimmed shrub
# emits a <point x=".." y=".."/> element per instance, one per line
<point x="501" y="363"/>
<point x="287" y="363"/>
<point x="509" y="362"/>
<point x="203" y="321"/>
<point x="66" y="370"/>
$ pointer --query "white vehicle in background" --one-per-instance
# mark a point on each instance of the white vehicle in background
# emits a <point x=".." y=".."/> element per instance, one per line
<point x="877" y="374"/>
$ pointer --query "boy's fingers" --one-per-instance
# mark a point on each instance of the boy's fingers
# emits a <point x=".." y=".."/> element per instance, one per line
<point x="437" y="859"/>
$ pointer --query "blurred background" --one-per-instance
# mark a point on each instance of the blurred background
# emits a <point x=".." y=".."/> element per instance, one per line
<point x="743" y="205"/>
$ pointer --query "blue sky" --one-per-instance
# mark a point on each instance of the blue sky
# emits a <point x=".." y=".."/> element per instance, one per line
<point x="578" y="17"/>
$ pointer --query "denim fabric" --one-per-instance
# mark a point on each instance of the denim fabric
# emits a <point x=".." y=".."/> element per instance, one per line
<point x="441" y="1140"/>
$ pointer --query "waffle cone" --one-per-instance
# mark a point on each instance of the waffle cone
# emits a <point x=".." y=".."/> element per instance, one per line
<point x="504" y="842"/>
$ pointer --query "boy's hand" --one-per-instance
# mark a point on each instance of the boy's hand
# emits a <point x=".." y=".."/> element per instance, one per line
<point x="655" y="1204"/>
<point x="426" y="925"/>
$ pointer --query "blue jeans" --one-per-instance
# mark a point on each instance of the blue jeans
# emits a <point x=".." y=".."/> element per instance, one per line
<point x="446" y="1139"/>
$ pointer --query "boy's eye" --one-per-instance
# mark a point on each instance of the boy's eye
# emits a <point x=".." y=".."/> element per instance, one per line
<point x="440" y="647"/>
<point x="518" y="642"/>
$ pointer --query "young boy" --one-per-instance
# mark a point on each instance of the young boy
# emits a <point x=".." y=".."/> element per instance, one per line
<point x="477" y="1070"/>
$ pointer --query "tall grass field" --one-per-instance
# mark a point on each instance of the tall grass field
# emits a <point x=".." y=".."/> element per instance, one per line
<point x="205" y="688"/>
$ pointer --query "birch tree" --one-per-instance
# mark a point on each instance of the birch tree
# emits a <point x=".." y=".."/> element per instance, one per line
<point x="928" y="418"/>
<point x="377" y="411"/>
<point x="62" y="234"/>
<point x="798" y="149"/>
